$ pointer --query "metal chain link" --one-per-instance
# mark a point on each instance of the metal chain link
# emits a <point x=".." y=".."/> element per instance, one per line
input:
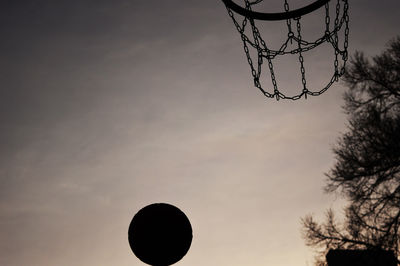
<point x="301" y="59"/>
<point x="345" y="54"/>
<point x="264" y="53"/>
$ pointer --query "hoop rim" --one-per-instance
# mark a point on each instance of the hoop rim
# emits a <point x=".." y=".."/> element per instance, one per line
<point x="275" y="16"/>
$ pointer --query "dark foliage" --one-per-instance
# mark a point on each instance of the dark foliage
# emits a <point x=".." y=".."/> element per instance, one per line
<point x="367" y="166"/>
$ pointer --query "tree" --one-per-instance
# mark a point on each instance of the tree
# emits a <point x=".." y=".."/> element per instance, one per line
<point x="367" y="160"/>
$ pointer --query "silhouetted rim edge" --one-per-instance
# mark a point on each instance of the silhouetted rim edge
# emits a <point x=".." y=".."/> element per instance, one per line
<point x="275" y="16"/>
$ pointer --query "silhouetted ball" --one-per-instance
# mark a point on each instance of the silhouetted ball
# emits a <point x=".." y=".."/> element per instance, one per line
<point x="160" y="234"/>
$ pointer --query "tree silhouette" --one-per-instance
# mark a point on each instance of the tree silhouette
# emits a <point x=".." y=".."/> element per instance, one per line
<point x="367" y="160"/>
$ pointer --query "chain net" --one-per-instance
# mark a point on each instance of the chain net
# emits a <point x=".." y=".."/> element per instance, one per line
<point x="254" y="40"/>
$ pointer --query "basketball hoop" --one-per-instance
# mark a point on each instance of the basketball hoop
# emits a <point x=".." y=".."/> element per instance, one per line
<point x="255" y="41"/>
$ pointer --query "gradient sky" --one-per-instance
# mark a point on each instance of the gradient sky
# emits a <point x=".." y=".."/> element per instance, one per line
<point x="108" y="106"/>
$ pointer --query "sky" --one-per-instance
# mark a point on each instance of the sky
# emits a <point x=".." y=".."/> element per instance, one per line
<point x="108" y="106"/>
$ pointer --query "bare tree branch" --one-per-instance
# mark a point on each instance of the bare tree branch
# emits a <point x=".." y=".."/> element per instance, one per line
<point x="367" y="165"/>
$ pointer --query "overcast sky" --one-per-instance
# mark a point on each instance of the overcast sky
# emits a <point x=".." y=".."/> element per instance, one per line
<point x="108" y="106"/>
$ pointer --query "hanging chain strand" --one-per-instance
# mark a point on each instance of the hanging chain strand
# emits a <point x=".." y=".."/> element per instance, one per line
<point x="301" y="60"/>
<point x="265" y="54"/>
